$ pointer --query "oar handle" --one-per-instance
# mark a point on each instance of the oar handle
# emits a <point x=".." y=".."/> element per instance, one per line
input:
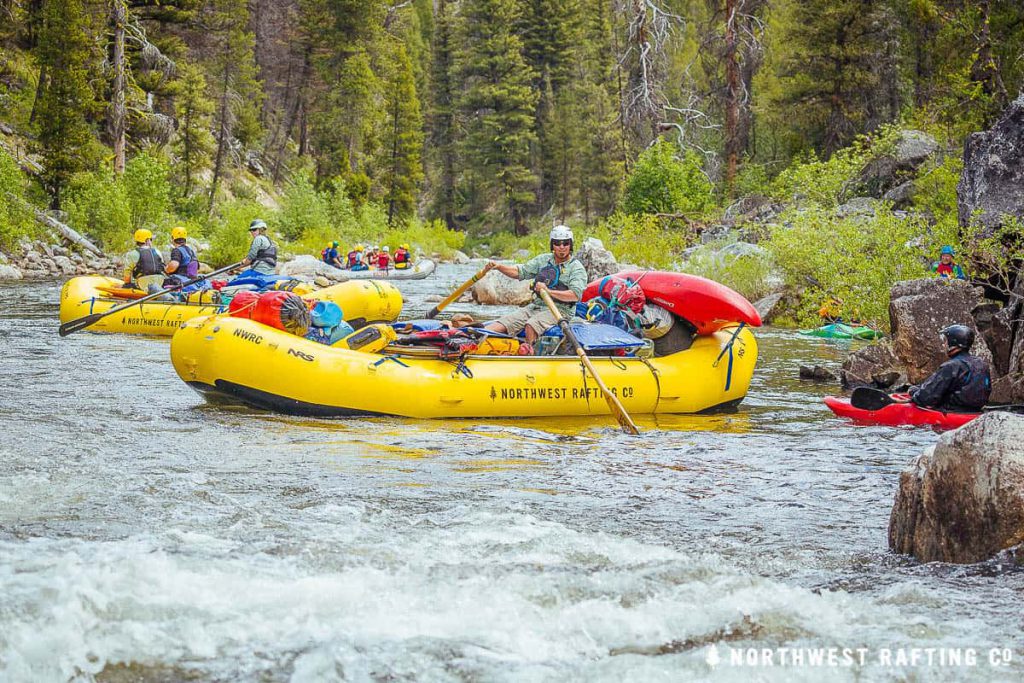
<point x="456" y="294"/>
<point x="77" y="324"/>
<point x="614" y="404"/>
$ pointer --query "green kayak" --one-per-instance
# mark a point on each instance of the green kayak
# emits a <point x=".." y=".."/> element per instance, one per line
<point x="842" y="331"/>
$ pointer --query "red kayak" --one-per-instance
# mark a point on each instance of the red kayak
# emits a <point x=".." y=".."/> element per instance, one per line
<point x="897" y="414"/>
<point x="709" y="305"/>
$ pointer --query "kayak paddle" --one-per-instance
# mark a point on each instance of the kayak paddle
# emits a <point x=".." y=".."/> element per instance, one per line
<point x="456" y="294"/>
<point x="77" y="324"/>
<point x="614" y="404"/>
<point x="869" y="398"/>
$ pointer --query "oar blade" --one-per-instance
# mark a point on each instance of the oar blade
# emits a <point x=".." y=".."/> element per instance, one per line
<point x="868" y="398"/>
<point x="73" y="326"/>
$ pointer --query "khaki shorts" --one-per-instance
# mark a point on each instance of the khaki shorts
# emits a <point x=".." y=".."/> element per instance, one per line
<point x="539" y="319"/>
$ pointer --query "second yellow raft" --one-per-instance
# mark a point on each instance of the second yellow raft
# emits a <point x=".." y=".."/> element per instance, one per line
<point x="368" y="300"/>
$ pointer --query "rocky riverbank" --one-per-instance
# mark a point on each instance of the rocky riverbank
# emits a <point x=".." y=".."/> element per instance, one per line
<point x="39" y="260"/>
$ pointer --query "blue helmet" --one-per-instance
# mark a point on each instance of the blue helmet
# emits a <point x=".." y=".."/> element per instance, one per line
<point x="947" y="250"/>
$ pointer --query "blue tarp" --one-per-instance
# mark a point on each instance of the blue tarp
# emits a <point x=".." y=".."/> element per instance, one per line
<point x="598" y="336"/>
<point x="252" y="277"/>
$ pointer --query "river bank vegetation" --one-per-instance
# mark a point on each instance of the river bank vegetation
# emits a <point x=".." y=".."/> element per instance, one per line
<point x="475" y="124"/>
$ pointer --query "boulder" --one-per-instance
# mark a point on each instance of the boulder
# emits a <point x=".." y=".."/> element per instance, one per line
<point x="769" y="306"/>
<point x="887" y="171"/>
<point x="497" y="289"/>
<point x="816" y="373"/>
<point x="872" y="366"/>
<point x="460" y="258"/>
<point x="858" y="207"/>
<point x="901" y="196"/>
<point x="597" y="260"/>
<point x="992" y="182"/>
<point x="919" y="310"/>
<point x="9" y="272"/>
<point x="962" y="500"/>
<point x="310" y="267"/>
<point x="64" y="264"/>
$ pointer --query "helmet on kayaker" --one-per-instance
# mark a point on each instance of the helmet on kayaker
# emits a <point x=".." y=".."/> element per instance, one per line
<point x="359" y="247"/>
<point x="141" y="235"/>
<point x="947" y="250"/>
<point x="404" y="245"/>
<point x="561" y="233"/>
<point x="334" y="245"/>
<point x="178" y="233"/>
<point x="958" y="337"/>
<point x="257" y="224"/>
<point x="387" y="248"/>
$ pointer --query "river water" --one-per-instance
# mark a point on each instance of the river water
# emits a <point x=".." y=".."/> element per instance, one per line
<point x="147" y="536"/>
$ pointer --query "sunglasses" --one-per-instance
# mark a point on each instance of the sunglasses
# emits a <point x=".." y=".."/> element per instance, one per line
<point x="561" y="243"/>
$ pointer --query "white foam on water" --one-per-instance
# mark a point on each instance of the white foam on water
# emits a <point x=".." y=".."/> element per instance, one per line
<point x="498" y="594"/>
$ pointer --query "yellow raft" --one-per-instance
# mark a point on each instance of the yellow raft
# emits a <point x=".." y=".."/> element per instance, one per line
<point x="81" y="296"/>
<point x="244" y="361"/>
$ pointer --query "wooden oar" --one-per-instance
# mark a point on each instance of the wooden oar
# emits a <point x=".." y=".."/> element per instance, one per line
<point x="614" y="404"/>
<point x="456" y="294"/>
<point x="77" y="324"/>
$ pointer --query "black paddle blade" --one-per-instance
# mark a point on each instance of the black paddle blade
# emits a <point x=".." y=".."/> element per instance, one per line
<point x="73" y="326"/>
<point x="867" y="398"/>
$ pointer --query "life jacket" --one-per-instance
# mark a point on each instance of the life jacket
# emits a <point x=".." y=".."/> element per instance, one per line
<point x="976" y="387"/>
<point x="551" y="276"/>
<point x="325" y="255"/>
<point x="401" y="259"/>
<point x="149" y="262"/>
<point x="382" y="261"/>
<point x="188" y="262"/>
<point x="267" y="255"/>
<point x="351" y="258"/>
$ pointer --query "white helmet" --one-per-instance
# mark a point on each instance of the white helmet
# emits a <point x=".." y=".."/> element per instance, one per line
<point x="561" y="232"/>
<point x="387" y="248"/>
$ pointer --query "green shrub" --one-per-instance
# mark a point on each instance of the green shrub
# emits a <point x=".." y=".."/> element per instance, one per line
<point x="643" y="240"/>
<point x="16" y="218"/>
<point x="302" y="209"/>
<point x="662" y="183"/>
<point x="99" y="207"/>
<point x="854" y="260"/>
<point x="228" y="232"/>
<point x="148" y="190"/>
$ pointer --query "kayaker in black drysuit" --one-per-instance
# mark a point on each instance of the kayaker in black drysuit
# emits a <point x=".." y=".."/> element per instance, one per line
<point x="963" y="383"/>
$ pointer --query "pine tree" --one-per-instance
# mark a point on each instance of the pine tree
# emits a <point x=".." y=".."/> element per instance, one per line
<point x="403" y="137"/>
<point x="498" y="106"/>
<point x="233" y="69"/>
<point x="194" y="143"/>
<point x="65" y="136"/>
<point x="442" y="113"/>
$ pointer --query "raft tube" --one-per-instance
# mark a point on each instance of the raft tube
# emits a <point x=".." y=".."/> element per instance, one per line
<point x="81" y="296"/>
<point x="710" y="306"/>
<point x="899" y="414"/>
<point x="419" y="270"/>
<point x="244" y="361"/>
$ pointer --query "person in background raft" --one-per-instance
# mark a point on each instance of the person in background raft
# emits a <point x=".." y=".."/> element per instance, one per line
<point x="357" y="260"/>
<point x="384" y="258"/>
<point x="945" y="268"/>
<point x="402" y="257"/>
<point x="262" y="256"/>
<point x="563" y="276"/>
<point x="963" y="383"/>
<point x="184" y="263"/>
<point x="143" y="264"/>
<point x="330" y="256"/>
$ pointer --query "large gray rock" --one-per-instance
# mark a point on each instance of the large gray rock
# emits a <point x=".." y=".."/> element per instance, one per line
<point x="9" y="272"/>
<point x="992" y="182"/>
<point x="64" y="264"/>
<point x="963" y="499"/>
<point x="919" y="310"/>
<point x="597" y="260"/>
<point x="497" y="289"/>
<point x="309" y="267"/>
<point x="887" y="171"/>
<point x="872" y="366"/>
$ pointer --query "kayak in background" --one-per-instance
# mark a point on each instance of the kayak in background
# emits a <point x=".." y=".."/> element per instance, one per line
<point x="899" y="414"/>
<point x="842" y="331"/>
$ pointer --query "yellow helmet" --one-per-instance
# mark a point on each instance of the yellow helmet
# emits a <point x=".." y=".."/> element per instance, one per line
<point x="141" y="235"/>
<point x="179" y="233"/>
<point x="405" y="246"/>
<point x="359" y="247"/>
